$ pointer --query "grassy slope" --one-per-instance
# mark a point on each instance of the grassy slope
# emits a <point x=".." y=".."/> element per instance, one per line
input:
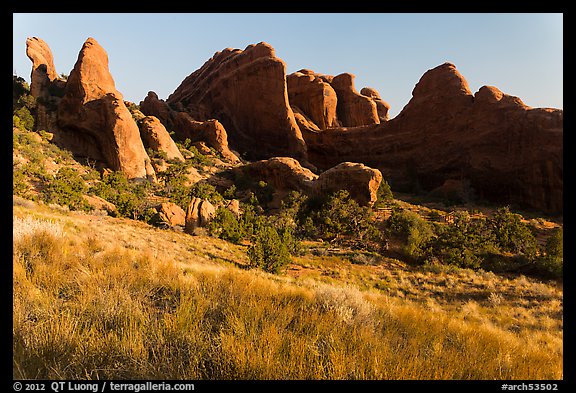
<point x="99" y="297"/>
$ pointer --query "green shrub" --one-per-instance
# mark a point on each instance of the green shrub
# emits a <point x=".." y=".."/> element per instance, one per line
<point x="23" y="119"/>
<point x="552" y="262"/>
<point x="207" y="191"/>
<point x="67" y="189"/>
<point x="555" y="244"/>
<point x="511" y="234"/>
<point x="20" y="186"/>
<point x="230" y="192"/>
<point x="414" y="231"/>
<point x="226" y="226"/>
<point x="174" y="183"/>
<point x="268" y="251"/>
<point x="335" y="216"/>
<point x="128" y="197"/>
<point x="384" y="194"/>
<point x="461" y="243"/>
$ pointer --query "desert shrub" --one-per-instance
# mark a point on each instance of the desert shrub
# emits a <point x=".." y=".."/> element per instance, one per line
<point x="230" y="192"/>
<point x="206" y="191"/>
<point x="20" y="186"/>
<point x="174" y="183"/>
<point x="199" y="160"/>
<point x="384" y="194"/>
<point x="268" y="250"/>
<point x="127" y="196"/>
<point x="226" y="226"/>
<point x="511" y="234"/>
<point x="414" y="231"/>
<point x="23" y="119"/>
<point x="19" y="88"/>
<point x="461" y="243"/>
<point x="551" y="263"/>
<point x="335" y="216"/>
<point x="23" y="104"/>
<point x="66" y="188"/>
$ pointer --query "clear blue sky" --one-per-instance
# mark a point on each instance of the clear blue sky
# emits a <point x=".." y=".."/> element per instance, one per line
<point x="521" y="54"/>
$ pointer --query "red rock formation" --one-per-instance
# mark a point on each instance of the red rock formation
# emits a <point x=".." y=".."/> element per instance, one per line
<point x="43" y="70"/>
<point x="171" y="214"/>
<point x="45" y="85"/>
<point x="382" y="107"/>
<point x="314" y="97"/>
<point x="210" y="131"/>
<point x="198" y="214"/>
<point x="509" y="152"/>
<point x="360" y="181"/>
<point x="283" y="173"/>
<point x="286" y="174"/>
<point x="153" y="106"/>
<point x="155" y="136"/>
<point x="92" y="113"/>
<point x="353" y="108"/>
<point x="246" y="91"/>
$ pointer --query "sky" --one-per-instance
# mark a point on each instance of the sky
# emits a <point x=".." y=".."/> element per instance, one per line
<point x="519" y="53"/>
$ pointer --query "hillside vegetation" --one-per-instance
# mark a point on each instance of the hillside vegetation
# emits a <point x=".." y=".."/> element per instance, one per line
<point x="101" y="297"/>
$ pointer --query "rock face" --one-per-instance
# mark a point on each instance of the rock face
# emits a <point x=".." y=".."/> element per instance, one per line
<point x="155" y="136"/>
<point x="286" y="174"/>
<point x="96" y="119"/>
<point x="246" y="91"/>
<point x="199" y="213"/>
<point x="509" y="152"/>
<point x="353" y="108"/>
<point x="314" y="97"/>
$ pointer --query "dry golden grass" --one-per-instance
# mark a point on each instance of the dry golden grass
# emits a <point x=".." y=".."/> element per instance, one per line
<point x="116" y="299"/>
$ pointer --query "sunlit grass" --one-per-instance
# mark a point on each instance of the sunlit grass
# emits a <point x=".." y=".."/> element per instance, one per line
<point x="108" y="299"/>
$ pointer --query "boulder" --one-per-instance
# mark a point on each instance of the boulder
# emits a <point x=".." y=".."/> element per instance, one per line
<point x="282" y="173"/>
<point x="360" y="181"/>
<point x="171" y="214"/>
<point x="198" y="214"/>
<point x="155" y="137"/>
<point x="92" y="113"/>
<point x="97" y="203"/>
<point x="234" y="207"/>
<point x="246" y="91"/>
<point x="286" y="174"/>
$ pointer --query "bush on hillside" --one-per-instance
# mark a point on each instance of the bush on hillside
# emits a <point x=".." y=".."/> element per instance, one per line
<point x="66" y="188"/>
<point x="461" y="243"/>
<point x="268" y="250"/>
<point x="127" y="196"/>
<point x="335" y="216"/>
<point x="412" y="230"/>
<point x="384" y="194"/>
